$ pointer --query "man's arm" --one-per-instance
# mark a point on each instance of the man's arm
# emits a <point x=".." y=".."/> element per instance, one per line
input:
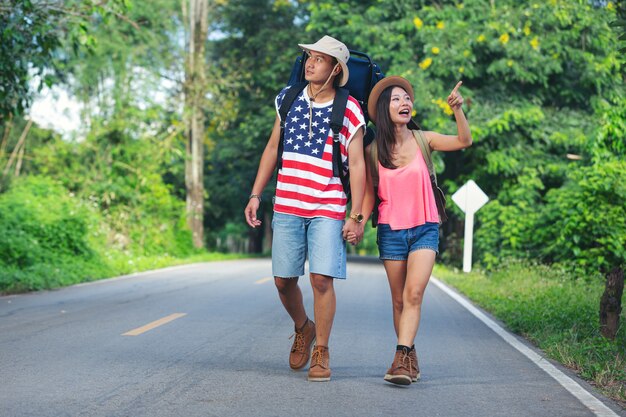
<point x="263" y="175"/>
<point x="356" y="163"/>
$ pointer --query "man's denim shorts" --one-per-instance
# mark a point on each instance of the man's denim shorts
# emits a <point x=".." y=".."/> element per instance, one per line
<point x="296" y="237"/>
<point x="396" y="245"/>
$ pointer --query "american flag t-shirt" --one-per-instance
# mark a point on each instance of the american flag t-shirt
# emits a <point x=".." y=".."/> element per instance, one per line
<point x="306" y="186"/>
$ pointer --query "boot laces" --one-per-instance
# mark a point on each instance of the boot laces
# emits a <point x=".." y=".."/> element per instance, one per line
<point x="405" y="361"/>
<point x="298" y="343"/>
<point x="317" y="359"/>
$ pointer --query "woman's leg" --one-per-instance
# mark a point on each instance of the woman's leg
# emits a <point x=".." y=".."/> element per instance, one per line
<point x="419" y="267"/>
<point x="396" y="274"/>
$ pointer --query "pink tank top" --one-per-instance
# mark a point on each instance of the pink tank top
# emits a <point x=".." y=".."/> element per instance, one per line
<point x="406" y="195"/>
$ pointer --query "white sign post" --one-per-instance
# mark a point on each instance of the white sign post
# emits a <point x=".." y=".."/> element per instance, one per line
<point x="469" y="198"/>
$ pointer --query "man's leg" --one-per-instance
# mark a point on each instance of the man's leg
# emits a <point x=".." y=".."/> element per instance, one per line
<point x="291" y="297"/>
<point x="327" y="261"/>
<point x="324" y="305"/>
<point x="288" y="256"/>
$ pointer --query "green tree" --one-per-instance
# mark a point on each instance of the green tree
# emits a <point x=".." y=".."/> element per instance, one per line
<point x="258" y="48"/>
<point x="32" y="35"/>
<point x="620" y="22"/>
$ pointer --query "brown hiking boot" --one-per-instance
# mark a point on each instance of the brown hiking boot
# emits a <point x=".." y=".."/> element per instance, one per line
<point x="320" y="364"/>
<point x="301" y="348"/>
<point x="415" y="368"/>
<point x="400" y="371"/>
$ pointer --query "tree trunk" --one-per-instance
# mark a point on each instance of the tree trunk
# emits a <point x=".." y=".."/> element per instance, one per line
<point x="18" y="147"/>
<point x="195" y="93"/>
<point x="611" y="303"/>
<point x="5" y="137"/>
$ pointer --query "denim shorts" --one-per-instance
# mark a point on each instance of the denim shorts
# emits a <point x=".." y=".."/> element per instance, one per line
<point x="397" y="244"/>
<point x="296" y="237"/>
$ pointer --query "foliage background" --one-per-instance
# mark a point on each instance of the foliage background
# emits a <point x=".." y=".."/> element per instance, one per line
<point x="543" y="82"/>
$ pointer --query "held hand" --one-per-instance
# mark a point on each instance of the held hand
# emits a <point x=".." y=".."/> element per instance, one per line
<point x="352" y="238"/>
<point x="455" y="100"/>
<point x="250" y="212"/>
<point x="352" y="232"/>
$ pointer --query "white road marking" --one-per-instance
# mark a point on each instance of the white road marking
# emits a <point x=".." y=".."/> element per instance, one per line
<point x="588" y="400"/>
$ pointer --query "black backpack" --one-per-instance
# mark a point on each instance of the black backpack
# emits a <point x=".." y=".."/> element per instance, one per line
<point x="364" y="74"/>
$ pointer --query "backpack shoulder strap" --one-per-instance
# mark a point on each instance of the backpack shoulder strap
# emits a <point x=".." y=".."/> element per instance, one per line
<point x="336" y="124"/>
<point x="290" y="96"/>
<point x="339" y="109"/>
<point x="440" y="198"/>
<point x="373" y="162"/>
<point x="422" y="142"/>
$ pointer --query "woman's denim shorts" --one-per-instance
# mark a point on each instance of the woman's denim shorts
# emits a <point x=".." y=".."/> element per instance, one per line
<point x="396" y="245"/>
<point x="318" y="238"/>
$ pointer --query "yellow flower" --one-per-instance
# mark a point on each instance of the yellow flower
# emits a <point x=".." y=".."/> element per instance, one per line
<point x="426" y="63"/>
<point x="461" y="70"/>
<point x="466" y="53"/>
<point x="414" y="113"/>
<point x="443" y="106"/>
<point x="481" y="38"/>
<point x="440" y="25"/>
<point x="435" y="50"/>
<point x="527" y="30"/>
<point x="509" y="63"/>
<point x="460" y="6"/>
<point x="535" y="43"/>
<point x="418" y="22"/>
<point x="610" y="6"/>
<point x="504" y="38"/>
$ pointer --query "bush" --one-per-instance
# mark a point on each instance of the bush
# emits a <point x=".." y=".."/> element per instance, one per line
<point x="41" y="221"/>
<point x="584" y="222"/>
<point x="46" y="237"/>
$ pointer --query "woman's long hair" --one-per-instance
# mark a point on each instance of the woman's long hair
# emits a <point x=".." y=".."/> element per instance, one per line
<point x="385" y="134"/>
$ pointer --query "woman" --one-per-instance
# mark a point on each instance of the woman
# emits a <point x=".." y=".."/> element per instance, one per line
<point x="408" y="222"/>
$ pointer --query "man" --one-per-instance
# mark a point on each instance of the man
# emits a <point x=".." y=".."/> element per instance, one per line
<point x="310" y="204"/>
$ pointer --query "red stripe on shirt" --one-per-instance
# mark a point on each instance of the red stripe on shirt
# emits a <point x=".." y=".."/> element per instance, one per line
<point x="309" y="198"/>
<point x="309" y="213"/>
<point x="304" y="166"/>
<point x="289" y="179"/>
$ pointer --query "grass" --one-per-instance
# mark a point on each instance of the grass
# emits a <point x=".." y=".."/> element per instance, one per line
<point x="557" y="312"/>
<point x="68" y="271"/>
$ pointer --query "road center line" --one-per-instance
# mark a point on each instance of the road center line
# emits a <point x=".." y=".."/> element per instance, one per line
<point x="154" y="324"/>
<point x="584" y="396"/>
<point x="263" y="280"/>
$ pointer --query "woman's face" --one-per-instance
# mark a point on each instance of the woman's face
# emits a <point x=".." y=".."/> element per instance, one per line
<point x="400" y="106"/>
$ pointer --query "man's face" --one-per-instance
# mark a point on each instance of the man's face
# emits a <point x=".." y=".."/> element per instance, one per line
<point x="319" y="66"/>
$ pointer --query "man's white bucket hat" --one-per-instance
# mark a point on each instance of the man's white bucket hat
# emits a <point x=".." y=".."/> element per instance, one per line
<point x="331" y="46"/>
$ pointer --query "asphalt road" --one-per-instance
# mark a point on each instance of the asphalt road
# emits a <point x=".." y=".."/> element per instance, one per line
<point x="221" y="348"/>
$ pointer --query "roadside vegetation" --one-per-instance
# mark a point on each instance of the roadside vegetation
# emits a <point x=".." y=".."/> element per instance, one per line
<point x="53" y="238"/>
<point x="557" y="311"/>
